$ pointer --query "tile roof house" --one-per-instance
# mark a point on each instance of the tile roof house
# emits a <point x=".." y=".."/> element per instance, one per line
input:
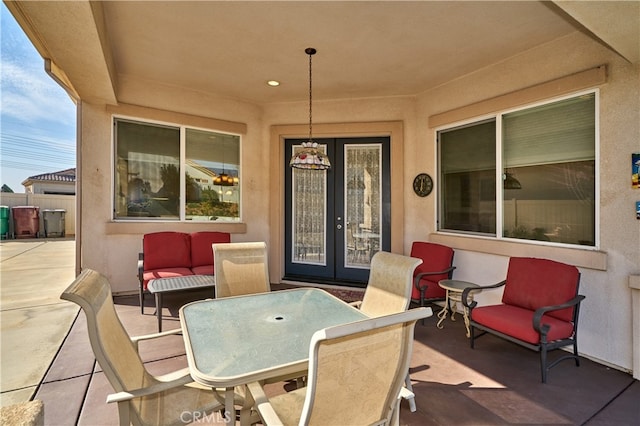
<point x="62" y="182"/>
<point x="403" y="71"/>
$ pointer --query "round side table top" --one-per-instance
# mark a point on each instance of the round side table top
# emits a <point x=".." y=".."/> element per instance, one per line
<point x="456" y="285"/>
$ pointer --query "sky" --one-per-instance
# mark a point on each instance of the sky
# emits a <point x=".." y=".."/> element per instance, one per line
<point x="38" y="118"/>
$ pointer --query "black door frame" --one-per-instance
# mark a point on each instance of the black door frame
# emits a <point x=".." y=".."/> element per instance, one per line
<point x="335" y="272"/>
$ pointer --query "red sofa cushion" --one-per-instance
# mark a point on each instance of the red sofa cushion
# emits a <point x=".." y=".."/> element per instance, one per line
<point x="533" y="283"/>
<point x="518" y="322"/>
<point x="163" y="273"/>
<point x="435" y="257"/>
<point x="202" y="270"/>
<point x="201" y="251"/>
<point x="165" y="250"/>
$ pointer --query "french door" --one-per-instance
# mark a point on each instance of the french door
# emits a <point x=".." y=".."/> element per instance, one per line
<point x="336" y="220"/>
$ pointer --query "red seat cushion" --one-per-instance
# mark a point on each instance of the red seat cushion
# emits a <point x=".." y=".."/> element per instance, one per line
<point x="201" y="251"/>
<point x="202" y="270"/>
<point x="163" y="273"/>
<point x="518" y="322"/>
<point x="164" y="250"/>
<point x="435" y="257"/>
<point x="533" y="283"/>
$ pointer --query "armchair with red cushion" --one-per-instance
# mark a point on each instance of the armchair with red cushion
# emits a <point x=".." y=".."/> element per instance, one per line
<point x="437" y="264"/>
<point x="539" y="308"/>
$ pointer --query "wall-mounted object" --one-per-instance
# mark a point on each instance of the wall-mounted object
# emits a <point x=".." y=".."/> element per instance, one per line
<point x="422" y="185"/>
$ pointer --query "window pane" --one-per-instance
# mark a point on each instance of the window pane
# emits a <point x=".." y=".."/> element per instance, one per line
<point x="550" y="152"/>
<point x="147" y="178"/>
<point x="468" y="178"/>
<point x="212" y="180"/>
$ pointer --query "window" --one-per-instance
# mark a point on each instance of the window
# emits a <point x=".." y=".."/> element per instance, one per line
<point x="165" y="172"/>
<point x="526" y="174"/>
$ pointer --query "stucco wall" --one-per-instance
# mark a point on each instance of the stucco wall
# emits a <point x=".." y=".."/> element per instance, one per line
<point x="605" y="318"/>
<point x="605" y="326"/>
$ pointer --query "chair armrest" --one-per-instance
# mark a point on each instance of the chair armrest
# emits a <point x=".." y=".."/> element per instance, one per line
<point x="263" y="406"/>
<point x="136" y="339"/>
<point x="466" y="291"/>
<point x="406" y="393"/>
<point x="418" y="277"/>
<point x="151" y="390"/>
<point x="539" y="313"/>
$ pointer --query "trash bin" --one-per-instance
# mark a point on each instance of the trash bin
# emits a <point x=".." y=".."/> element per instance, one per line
<point x="26" y="221"/>
<point x="4" y="222"/>
<point x="53" y="222"/>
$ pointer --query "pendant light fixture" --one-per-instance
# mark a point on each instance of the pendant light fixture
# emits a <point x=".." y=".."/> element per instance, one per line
<point x="309" y="156"/>
<point x="223" y="179"/>
<point x="510" y="182"/>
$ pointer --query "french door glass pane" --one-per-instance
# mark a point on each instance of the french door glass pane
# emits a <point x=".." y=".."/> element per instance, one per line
<point x="309" y="214"/>
<point x="363" y="206"/>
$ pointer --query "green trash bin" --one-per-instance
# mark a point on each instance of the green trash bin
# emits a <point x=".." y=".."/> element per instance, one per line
<point x="4" y="222"/>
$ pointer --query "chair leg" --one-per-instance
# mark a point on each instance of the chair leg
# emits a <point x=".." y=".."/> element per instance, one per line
<point x="575" y="353"/>
<point x="422" y="291"/>
<point x="411" y="399"/>
<point x="472" y="335"/>
<point x="141" y="301"/>
<point x="543" y="362"/>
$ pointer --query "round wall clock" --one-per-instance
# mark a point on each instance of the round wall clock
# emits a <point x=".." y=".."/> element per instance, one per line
<point x="422" y="185"/>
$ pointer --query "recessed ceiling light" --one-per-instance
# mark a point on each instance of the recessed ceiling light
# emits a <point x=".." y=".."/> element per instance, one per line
<point x="273" y="83"/>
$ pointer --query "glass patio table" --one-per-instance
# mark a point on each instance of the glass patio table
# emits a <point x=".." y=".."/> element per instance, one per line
<point x="237" y="340"/>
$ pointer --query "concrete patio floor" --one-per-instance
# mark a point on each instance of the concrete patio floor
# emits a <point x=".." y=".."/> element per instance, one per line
<point x="46" y="355"/>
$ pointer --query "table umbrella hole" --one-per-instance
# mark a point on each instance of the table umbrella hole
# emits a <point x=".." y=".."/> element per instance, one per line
<point x="277" y="318"/>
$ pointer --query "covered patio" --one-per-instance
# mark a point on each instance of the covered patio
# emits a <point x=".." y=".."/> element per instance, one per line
<point x="495" y="384"/>
<point x="403" y="70"/>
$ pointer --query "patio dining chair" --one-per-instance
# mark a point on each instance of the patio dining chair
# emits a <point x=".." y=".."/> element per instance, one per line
<point x="241" y="268"/>
<point x="142" y="398"/>
<point x="357" y="365"/>
<point x="389" y="292"/>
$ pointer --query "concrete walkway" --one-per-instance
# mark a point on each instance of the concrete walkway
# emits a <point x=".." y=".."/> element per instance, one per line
<point x="34" y="321"/>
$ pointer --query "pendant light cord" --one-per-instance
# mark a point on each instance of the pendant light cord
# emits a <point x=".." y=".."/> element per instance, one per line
<point x="310" y="97"/>
<point x="310" y="51"/>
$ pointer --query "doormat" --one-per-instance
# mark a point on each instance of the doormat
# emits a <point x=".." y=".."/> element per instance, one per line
<point x="347" y="295"/>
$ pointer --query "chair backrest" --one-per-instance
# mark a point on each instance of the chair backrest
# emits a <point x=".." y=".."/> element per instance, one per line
<point x="110" y="342"/>
<point x="166" y="250"/>
<point x="435" y="257"/>
<point x="241" y="268"/>
<point x="201" y="242"/>
<point x="533" y="283"/>
<point x="390" y="283"/>
<point x="356" y="370"/>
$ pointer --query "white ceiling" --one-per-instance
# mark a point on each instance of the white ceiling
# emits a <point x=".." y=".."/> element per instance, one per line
<point x="364" y="48"/>
<point x="231" y="48"/>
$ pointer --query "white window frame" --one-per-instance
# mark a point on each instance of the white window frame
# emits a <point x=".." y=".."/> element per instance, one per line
<point x="498" y="117"/>
<point x="182" y="207"/>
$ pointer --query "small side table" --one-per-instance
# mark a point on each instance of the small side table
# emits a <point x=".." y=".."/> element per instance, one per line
<point x="454" y="290"/>
<point x="159" y="286"/>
